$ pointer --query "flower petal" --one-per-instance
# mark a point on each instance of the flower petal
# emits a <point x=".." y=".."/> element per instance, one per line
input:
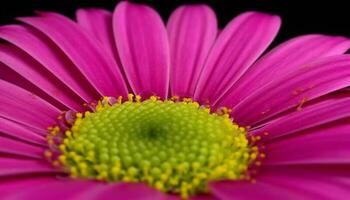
<point x="333" y="108"/>
<point x="290" y="182"/>
<point x="244" y="190"/>
<point x="13" y="186"/>
<point x="145" y="57"/>
<point x="238" y="46"/>
<point x="15" y="130"/>
<point x="98" y="22"/>
<point x="293" y="90"/>
<point x="55" y="189"/>
<point x="127" y="191"/>
<point x="97" y="66"/>
<point x="287" y="57"/>
<point x="46" y="52"/>
<point x="328" y="144"/>
<point x="27" y="67"/>
<point x="192" y="30"/>
<point x="19" y="105"/>
<point x="17" y="167"/>
<point x="47" y="188"/>
<point x="20" y="148"/>
<point x="9" y="75"/>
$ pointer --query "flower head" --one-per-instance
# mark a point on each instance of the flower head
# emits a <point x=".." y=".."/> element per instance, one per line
<point x="118" y="105"/>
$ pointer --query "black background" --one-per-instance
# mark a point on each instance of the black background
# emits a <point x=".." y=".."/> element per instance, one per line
<point x="298" y="17"/>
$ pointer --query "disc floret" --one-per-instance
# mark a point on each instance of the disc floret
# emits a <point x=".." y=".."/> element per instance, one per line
<point x="175" y="146"/>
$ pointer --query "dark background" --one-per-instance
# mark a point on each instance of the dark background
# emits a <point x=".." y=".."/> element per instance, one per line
<point x="298" y="17"/>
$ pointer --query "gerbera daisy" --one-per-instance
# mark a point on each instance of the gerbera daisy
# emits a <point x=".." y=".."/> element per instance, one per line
<point x="120" y="106"/>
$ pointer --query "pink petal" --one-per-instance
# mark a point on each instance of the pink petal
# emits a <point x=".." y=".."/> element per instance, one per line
<point x="142" y="43"/>
<point x="239" y="190"/>
<point x="98" y="22"/>
<point x="13" y="77"/>
<point x="328" y="144"/>
<point x="48" y="188"/>
<point x="20" y="132"/>
<point x="19" y="105"/>
<point x="51" y="188"/>
<point x="313" y="181"/>
<point x="18" y="167"/>
<point x="292" y="182"/>
<point x="13" y="186"/>
<point x="239" y="45"/>
<point x="20" y="148"/>
<point x="125" y="191"/>
<point x="192" y="31"/>
<point x="331" y="109"/>
<point x="27" y="67"/>
<point x="287" y="57"/>
<point x="46" y="52"/>
<point x="312" y="81"/>
<point x="97" y="66"/>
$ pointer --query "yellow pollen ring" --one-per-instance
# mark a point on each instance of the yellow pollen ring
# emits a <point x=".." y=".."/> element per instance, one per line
<point x="175" y="145"/>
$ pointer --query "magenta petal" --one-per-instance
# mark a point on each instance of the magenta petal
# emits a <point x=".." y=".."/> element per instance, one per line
<point x="98" y="22"/>
<point x="27" y="67"/>
<point x="125" y="191"/>
<point x="311" y="181"/>
<point x="20" y="148"/>
<point x="192" y="31"/>
<point x="238" y="46"/>
<point x="17" y="167"/>
<point x="312" y="81"/>
<point x="20" y="132"/>
<point x="49" y="188"/>
<point x="292" y="182"/>
<point x="56" y="189"/>
<point x="46" y="52"/>
<point x="145" y="57"/>
<point x="24" y="107"/>
<point x="324" y="145"/>
<point x="97" y="66"/>
<point x="9" y="75"/>
<point x="333" y="108"/>
<point x="13" y="186"/>
<point x="286" y="58"/>
<point x="242" y="190"/>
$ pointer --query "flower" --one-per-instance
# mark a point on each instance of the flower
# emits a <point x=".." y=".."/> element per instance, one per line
<point x="280" y="129"/>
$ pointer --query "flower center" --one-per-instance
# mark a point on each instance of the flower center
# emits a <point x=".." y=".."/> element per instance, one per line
<point x="174" y="146"/>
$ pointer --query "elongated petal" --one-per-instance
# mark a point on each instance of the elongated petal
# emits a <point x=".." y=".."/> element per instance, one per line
<point x="290" y="182"/>
<point x="24" y="65"/>
<point x="97" y="66"/>
<point x="9" y="75"/>
<point x="239" y="45"/>
<point x="48" y="188"/>
<point x="127" y="191"/>
<point x="98" y="22"/>
<point x="17" y="167"/>
<point x="20" y="105"/>
<point x="325" y="145"/>
<point x="286" y="58"/>
<point x="20" y="148"/>
<point x="326" y="111"/>
<point x="293" y="90"/>
<point x="240" y="190"/>
<point x="15" y="130"/>
<point x="56" y="189"/>
<point x="143" y="47"/>
<point x="14" y="185"/>
<point x="46" y="52"/>
<point x="192" y="31"/>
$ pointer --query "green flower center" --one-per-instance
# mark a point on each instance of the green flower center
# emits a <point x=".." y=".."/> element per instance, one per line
<point x="174" y="146"/>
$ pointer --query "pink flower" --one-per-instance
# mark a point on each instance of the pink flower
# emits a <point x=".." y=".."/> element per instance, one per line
<point x="293" y="100"/>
